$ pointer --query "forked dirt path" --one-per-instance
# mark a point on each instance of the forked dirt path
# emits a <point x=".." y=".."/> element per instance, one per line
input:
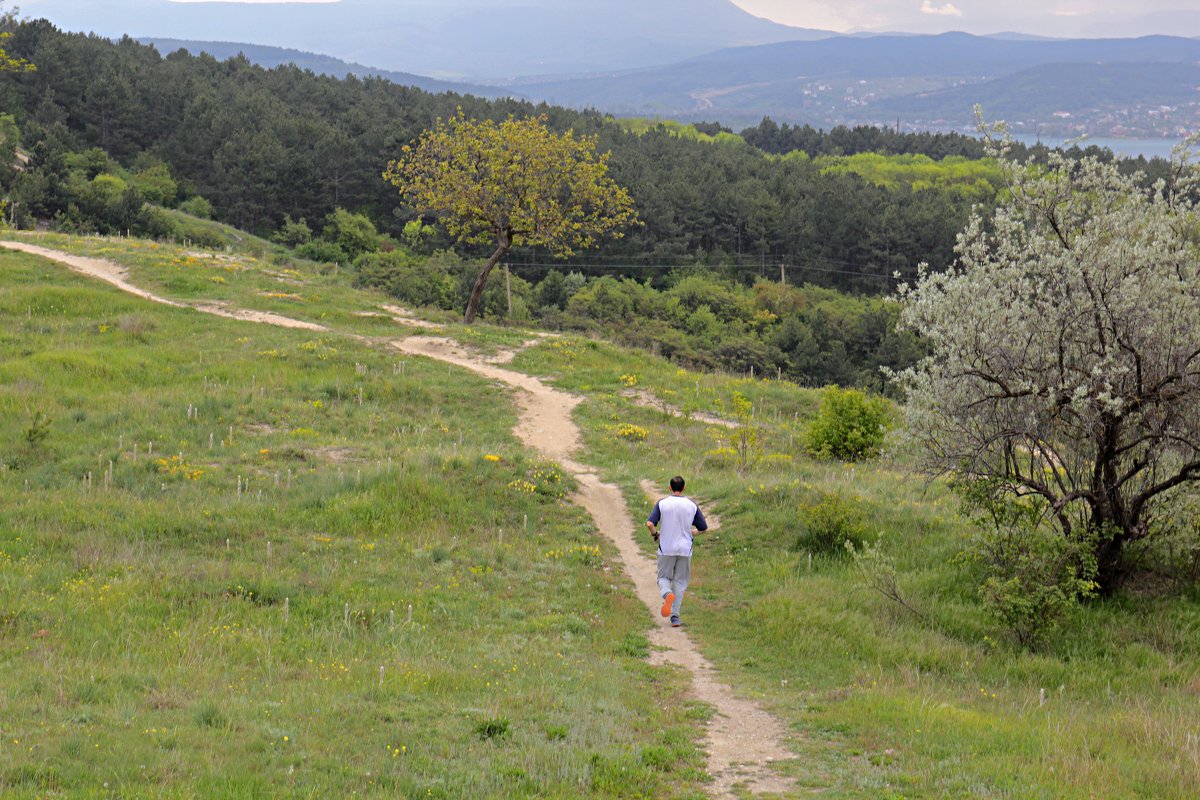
<point x="743" y="740"/>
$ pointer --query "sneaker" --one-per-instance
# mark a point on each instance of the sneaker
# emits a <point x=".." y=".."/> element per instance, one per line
<point x="668" y="601"/>
<point x="675" y="621"/>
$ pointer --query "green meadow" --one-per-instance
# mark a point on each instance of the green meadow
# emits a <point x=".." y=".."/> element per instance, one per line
<point x="237" y="561"/>
<point x="887" y="701"/>
<point x="227" y="613"/>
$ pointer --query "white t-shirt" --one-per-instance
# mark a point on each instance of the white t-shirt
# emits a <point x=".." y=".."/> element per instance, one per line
<point x="675" y="515"/>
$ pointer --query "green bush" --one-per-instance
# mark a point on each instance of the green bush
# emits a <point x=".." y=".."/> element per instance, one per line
<point x="415" y="282"/>
<point x="197" y="206"/>
<point x="827" y="526"/>
<point x="849" y="425"/>
<point x="323" y="251"/>
<point x="1030" y="577"/>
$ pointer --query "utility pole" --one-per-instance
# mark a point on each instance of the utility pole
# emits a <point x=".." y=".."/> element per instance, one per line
<point x="782" y="274"/>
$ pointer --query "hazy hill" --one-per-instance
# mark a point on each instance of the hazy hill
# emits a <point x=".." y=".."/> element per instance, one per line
<point x="850" y="79"/>
<point x="1062" y="91"/>
<point x="270" y="57"/>
<point x="483" y="38"/>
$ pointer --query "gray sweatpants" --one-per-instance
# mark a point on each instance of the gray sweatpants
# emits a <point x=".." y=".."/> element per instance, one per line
<point x="673" y="575"/>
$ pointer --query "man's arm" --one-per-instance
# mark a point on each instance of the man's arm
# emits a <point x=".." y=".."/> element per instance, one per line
<point x="698" y="522"/>
<point x="653" y="520"/>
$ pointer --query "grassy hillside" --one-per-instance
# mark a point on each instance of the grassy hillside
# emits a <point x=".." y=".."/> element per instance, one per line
<point x="151" y="637"/>
<point x="889" y="704"/>
<point x="213" y="536"/>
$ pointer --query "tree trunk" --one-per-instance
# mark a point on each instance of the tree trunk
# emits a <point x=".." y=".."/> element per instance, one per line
<point x="1110" y="567"/>
<point x="481" y="281"/>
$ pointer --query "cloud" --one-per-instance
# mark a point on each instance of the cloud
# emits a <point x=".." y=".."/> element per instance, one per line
<point x="948" y="10"/>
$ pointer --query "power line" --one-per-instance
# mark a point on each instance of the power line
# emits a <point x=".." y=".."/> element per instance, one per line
<point x="746" y="267"/>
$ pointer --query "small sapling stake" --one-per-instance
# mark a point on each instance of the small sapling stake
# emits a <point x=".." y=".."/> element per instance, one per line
<point x="27" y="486"/>
<point x="210" y="440"/>
<point x="231" y="436"/>
<point x="1041" y="697"/>
<point x="121" y="442"/>
<point x="268" y="548"/>
<point x="347" y="614"/>
<point x="286" y="604"/>
<point x="810" y="562"/>
<point x="502" y="536"/>
<point x="150" y="449"/>
<point x="380" y="676"/>
<point x="410" y="612"/>
<point x="392" y="618"/>
<point x="226" y="544"/>
<point x="525" y="517"/>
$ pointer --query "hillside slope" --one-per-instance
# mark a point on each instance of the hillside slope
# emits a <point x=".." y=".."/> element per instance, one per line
<point x="231" y="615"/>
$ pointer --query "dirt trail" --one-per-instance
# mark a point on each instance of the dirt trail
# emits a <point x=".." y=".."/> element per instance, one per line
<point x="742" y="740"/>
<point x="117" y="275"/>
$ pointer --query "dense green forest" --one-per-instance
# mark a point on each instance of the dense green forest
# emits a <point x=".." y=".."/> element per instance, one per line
<point x="112" y="134"/>
<point x="259" y="144"/>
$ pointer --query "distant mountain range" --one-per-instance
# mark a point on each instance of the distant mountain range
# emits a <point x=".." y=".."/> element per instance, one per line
<point x="1063" y="86"/>
<point x="1147" y="87"/>
<point x="472" y="39"/>
<point x="673" y="59"/>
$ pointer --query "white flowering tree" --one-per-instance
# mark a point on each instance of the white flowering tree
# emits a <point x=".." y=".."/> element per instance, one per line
<point x="1065" y="350"/>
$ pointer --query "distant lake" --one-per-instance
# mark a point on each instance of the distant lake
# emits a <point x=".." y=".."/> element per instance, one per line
<point x="1122" y="147"/>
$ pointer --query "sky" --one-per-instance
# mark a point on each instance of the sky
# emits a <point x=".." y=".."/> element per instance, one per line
<point x="1042" y="17"/>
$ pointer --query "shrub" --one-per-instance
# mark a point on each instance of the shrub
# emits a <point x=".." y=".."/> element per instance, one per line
<point x="828" y="526"/>
<point x="354" y="234"/>
<point x="849" y="425"/>
<point x="197" y="206"/>
<point x="292" y="233"/>
<point x="323" y="251"/>
<point x="424" y="282"/>
<point x="1031" y="577"/>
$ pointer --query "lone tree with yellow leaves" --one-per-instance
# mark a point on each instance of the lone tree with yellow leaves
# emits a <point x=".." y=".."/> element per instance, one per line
<point x="511" y="183"/>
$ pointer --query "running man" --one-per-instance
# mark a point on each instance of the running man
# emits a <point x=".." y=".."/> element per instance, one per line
<point x="671" y="523"/>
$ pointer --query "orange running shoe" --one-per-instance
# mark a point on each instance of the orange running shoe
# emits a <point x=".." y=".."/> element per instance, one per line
<point x="668" y="601"/>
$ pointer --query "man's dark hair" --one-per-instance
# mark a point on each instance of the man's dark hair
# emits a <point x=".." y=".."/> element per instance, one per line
<point x="677" y="484"/>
